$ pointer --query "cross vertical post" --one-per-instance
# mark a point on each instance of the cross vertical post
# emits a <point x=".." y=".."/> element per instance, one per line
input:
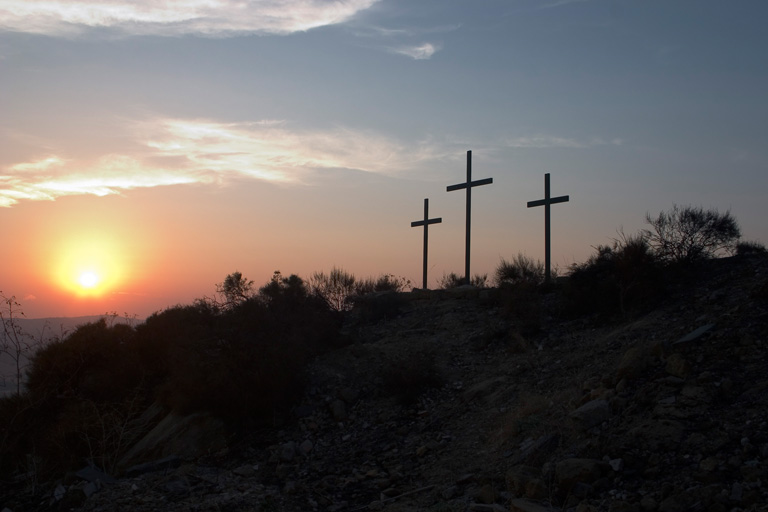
<point x="426" y="222"/>
<point x="546" y="202"/>
<point x="468" y="185"/>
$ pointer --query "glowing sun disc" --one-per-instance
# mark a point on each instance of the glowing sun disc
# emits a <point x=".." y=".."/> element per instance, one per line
<point x="88" y="279"/>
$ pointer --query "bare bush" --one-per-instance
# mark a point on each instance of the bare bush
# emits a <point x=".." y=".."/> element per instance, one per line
<point x="17" y="344"/>
<point x="335" y="287"/>
<point x="686" y="234"/>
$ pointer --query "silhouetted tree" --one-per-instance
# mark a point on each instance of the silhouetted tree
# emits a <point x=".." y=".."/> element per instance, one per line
<point x="686" y="233"/>
<point x="235" y="289"/>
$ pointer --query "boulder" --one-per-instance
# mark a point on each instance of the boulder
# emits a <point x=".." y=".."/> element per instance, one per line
<point x="678" y="366"/>
<point x="592" y="414"/>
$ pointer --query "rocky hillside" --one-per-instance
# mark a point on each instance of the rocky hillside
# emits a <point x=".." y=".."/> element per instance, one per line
<point x="449" y="405"/>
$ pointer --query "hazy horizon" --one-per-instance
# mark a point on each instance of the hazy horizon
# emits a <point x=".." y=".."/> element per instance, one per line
<point x="148" y="151"/>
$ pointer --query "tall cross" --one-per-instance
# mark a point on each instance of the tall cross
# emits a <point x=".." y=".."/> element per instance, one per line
<point x="426" y="222"/>
<point x="468" y="185"/>
<point x="547" y="244"/>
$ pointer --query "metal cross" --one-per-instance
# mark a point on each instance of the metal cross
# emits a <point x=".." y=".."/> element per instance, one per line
<point x="468" y="185"/>
<point x="547" y="244"/>
<point x="426" y="222"/>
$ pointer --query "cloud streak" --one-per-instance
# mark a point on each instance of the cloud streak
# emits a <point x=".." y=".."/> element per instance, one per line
<point x="549" y="141"/>
<point x="422" y="51"/>
<point x="183" y="151"/>
<point x="214" y="18"/>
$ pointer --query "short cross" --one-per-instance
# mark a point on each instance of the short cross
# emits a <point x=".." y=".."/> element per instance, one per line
<point x="546" y="202"/>
<point x="468" y="185"/>
<point x="426" y="222"/>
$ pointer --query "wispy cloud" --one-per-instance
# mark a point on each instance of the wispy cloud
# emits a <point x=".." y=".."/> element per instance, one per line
<point x="216" y="18"/>
<point x="559" y="3"/>
<point x="549" y="141"/>
<point x="182" y="151"/>
<point x="421" y="51"/>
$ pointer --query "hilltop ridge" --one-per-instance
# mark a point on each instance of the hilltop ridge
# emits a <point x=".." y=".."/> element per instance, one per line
<point x="446" y="406"/>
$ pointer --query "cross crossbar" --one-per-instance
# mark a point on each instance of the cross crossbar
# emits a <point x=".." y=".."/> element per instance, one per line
<point x="476" y="183"/>
<point x="468" y="186"/>
<point x="426" y="222"/>
<point x="552" y="200"/>
<point x="546" y="202"/>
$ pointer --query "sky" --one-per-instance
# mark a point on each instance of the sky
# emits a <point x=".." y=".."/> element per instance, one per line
<point x="148" y="149"/>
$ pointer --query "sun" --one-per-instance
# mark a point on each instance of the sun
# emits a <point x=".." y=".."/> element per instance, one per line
<point x="88" y="279"/>
<point x="90" y="267"/>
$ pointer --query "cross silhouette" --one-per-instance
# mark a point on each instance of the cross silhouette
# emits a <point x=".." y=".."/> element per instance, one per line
<point x="426" y="222"/>
<point x="468" y="185"/>
<point x="546" y="202"/>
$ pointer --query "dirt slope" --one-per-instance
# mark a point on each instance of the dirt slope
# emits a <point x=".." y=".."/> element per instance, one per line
<point x="447" y="407"/>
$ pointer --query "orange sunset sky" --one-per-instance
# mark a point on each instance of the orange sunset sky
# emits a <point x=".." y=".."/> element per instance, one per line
<point x="149" y="149"/>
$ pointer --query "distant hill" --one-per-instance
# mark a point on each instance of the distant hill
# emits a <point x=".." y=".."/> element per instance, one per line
<point x="46" y="328"/>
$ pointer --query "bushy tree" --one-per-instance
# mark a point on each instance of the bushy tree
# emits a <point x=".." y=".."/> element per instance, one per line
<point x="686" y="234"/>
<point x="96" y="362"/>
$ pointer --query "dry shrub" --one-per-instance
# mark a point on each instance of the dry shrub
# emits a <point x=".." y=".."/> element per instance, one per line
<point x="521" y="270"/>
<point x="453" y="280"/>
<point x="750" y="247"/>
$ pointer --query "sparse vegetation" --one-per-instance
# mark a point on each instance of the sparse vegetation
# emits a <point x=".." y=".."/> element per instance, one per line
<point x="340" y="289"/>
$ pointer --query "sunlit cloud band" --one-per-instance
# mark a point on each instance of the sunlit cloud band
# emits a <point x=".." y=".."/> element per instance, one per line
<point x="171" y="151"/>
<point x="216" y="18"/>
<point x="180" y="151"/>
